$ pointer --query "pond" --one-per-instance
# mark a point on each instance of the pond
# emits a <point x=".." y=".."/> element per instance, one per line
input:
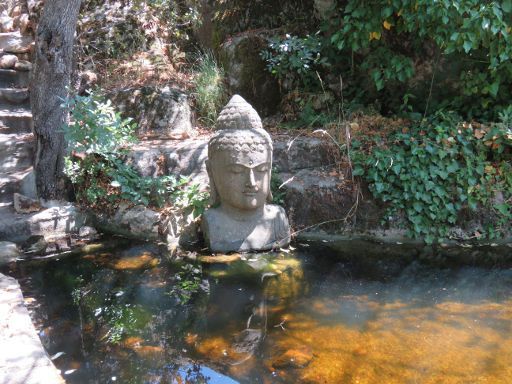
<point x="131" y="316"/>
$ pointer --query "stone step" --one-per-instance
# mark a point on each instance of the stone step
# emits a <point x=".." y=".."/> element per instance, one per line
<point x="12" y="78"/>
<point x="19" y="62"/>
<point x="14" y="42"/>
<point x="16" y="152"/>
<point x="15" y="119"/>
<point x="21" y="181"/>
<point x="16" y="158"/>
<point x="16" y="96"/>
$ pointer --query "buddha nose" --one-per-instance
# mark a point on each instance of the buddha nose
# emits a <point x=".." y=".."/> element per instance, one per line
<point x="251" y="181"/>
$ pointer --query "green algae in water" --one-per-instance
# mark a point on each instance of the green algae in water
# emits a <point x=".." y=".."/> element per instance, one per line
<point x="301" y="320"/>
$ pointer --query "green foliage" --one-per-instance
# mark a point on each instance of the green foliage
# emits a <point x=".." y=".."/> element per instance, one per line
<point x="210" y="91"/>
<point x="411" y="56"/>
<point x="190" y="198"/>
<point x="187" y="283"/>
<point x="97" y="138"/>
<point x="104" y="307"/>
<point x="122" y="320"/>
<point x="294" y="59"/>
<point x="278" y="194"/>
<point x="385" y="37"/>
<point x="435" y="170"/>
<point x="96" y="128"/>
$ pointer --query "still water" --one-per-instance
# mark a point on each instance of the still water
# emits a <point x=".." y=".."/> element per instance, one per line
<point x="132" y="317"/>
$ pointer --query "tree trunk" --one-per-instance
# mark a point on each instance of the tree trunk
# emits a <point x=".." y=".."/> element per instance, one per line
<point x="49" y="87"/>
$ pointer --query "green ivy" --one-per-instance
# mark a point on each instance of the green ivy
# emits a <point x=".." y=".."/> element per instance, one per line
<point x="436" y="169"/>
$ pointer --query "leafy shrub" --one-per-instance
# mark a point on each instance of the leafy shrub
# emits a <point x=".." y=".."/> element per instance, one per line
<point x="97" y="137"/>
<point x="385" y="39"/>
<point x="409" y="55"/>
<point x="96" y="127"/>
<point x="294" y="60"/>
<point x="210" y="91"/>
<point x="435" y="170"/>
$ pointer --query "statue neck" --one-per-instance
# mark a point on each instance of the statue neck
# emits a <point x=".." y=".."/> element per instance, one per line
<point x="242" y="214"/>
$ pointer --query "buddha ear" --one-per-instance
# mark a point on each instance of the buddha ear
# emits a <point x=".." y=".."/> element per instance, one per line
<point x="214" y="195"/>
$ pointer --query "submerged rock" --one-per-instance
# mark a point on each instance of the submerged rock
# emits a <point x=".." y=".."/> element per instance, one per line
<point x="248" y="340"/>
<point x="145" y="260"/>
<point x="293" y="358"/>
<point x="23" y="65"/>
<point x="220" y="259"/>
<point x="88" y="232"/>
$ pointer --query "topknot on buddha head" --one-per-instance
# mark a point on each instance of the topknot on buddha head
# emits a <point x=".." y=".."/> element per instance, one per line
<point x="239" y="129"/>
<point x="238" y="114"/>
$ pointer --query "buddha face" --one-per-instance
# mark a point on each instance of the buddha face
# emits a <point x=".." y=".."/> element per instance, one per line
<point x="242" y="179"/>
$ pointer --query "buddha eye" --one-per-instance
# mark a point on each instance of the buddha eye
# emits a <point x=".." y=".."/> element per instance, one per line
<point x="236" y="168"/>
<point x="262" y="168"/>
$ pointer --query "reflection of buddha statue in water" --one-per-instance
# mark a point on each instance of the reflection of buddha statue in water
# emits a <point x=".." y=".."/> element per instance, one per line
<point x="239" y="165"/>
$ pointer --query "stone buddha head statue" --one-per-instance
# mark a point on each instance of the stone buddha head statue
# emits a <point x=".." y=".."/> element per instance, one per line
<point x="239" y="167"/>
<point x="240" y="159"/>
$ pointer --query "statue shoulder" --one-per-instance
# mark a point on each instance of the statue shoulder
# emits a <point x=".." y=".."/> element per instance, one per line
<point x="280" y="225"/>
<point x="275" y="210"/>
<point x="211" y="215"/>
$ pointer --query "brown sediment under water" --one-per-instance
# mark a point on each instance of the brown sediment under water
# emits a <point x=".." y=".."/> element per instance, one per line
<point x="130" y="316"/>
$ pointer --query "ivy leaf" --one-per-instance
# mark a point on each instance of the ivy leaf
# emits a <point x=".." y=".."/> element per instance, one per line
<point x="386" y="12"/>
<point x="429" y="239"/>
<point x="506" y="5"/>
<point x="503" y="209"/>
<point x="358" y="171"/>
<point x="418" y="207"/>
<point x="442" y="174"/>
<point x="494" y="87"/>
<point x="453" y="167"/>
<point x="467" y="46"/>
